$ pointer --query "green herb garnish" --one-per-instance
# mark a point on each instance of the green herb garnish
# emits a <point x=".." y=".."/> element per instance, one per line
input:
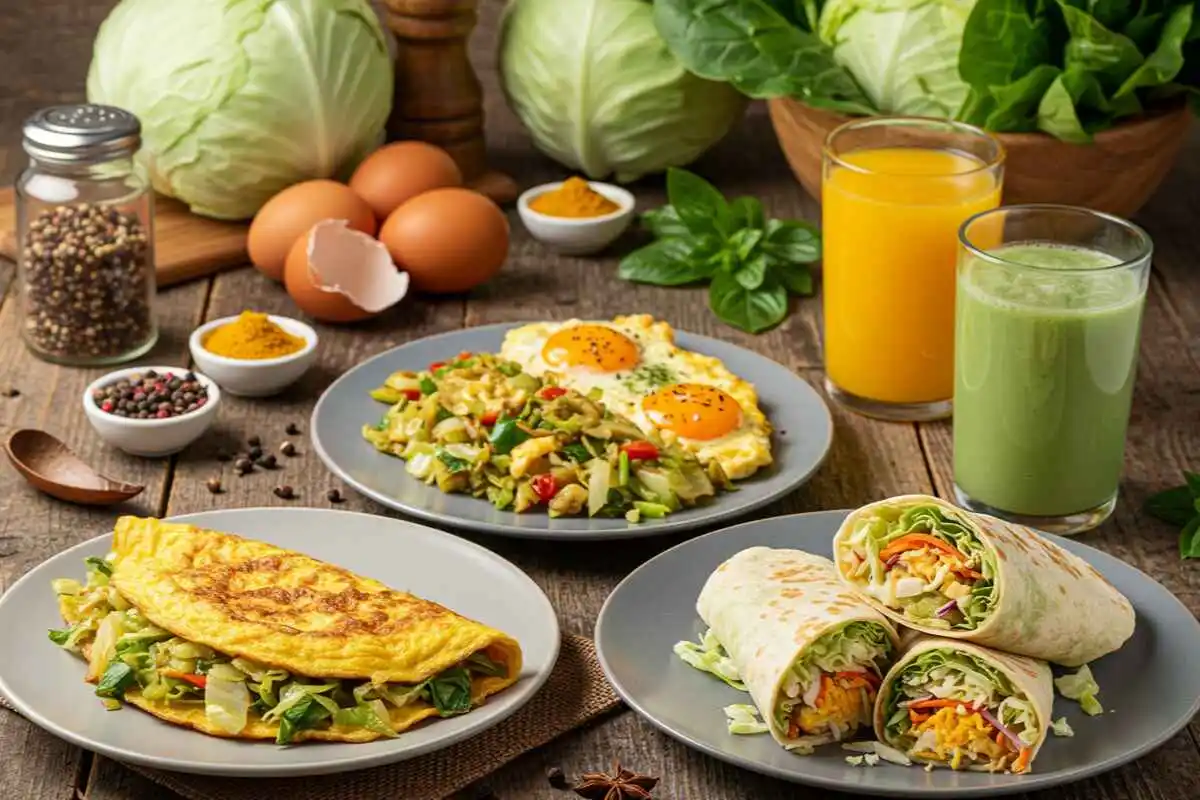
<point x="427" y="385"/>
<point x="1180" y="506"/>
<point x="751" y="263"/>
<point x="506" y="434"/>
<point x="118" y="677"/>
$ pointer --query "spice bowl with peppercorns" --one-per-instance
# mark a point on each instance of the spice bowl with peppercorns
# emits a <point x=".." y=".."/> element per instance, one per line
<point x="254" y="354"/>
<point x="151" y="411"/>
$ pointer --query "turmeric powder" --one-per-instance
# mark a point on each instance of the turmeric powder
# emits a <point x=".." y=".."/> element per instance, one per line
<point x="252" y="336"/>
<point x="575" y="198"/>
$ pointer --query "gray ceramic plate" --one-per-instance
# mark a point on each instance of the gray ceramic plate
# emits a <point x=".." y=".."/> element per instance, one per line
<point x="1150" y="688"/>
<point x="46" y="683"/>
<point x="803" y="431"/>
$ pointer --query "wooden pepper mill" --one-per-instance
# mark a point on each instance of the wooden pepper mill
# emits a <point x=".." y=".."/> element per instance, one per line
<point x="438" y="97"/>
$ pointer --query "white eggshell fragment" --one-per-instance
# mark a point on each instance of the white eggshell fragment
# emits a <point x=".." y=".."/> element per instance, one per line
<point x="341" y="259"/>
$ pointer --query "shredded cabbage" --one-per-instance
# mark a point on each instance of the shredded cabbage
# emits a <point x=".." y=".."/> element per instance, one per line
<point x="1060" y="727"/>
<point x="744" y="719"/>
<point x="1081" y="686"/>
<point x="226" y="702"/>
<point x="710" y="656"/>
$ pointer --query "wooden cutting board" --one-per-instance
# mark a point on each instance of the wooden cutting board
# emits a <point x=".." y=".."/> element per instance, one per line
<point x="186" y="246"/>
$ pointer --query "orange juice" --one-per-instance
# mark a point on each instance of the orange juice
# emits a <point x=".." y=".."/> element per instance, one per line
<point x="890" y="221"/>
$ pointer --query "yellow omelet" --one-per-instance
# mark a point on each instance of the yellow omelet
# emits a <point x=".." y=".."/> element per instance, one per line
<point x="195" y="606"/>
<point x="684" y="397"/>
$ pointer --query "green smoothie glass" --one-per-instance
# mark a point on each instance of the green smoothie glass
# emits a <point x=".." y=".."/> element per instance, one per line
<point x="1047" y="322"/>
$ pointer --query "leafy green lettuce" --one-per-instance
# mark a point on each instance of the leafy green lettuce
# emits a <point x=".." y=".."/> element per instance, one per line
<point x="1081" y="687"/>
<point x="1069" y="68"/>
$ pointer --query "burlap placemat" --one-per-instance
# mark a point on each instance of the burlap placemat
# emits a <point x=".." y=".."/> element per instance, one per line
<point x="577" y="692"/>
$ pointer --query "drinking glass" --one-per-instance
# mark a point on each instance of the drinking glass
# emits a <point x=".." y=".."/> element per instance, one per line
<point x="1048" y="321"/>
<point x="894" y="192"/>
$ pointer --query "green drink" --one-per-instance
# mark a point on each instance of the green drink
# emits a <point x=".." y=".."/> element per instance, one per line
<point x="1046" y="348"/>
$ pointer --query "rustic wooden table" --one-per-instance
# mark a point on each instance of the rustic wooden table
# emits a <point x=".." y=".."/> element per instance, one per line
<point x="44" y="52"/>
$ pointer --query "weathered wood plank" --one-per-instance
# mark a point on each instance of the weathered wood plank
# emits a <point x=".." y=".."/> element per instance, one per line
<point x="108" y="780"/>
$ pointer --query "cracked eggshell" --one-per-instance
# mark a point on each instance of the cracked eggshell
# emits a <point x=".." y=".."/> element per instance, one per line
<point x="288" y="215"/>
<point x="337" y="274"/>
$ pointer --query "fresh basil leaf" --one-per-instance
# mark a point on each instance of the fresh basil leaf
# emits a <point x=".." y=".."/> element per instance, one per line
<point x="452" y="462"/>
<point x="748" y="44"/>
<point x="450" y="692"/>
<point x="1014" y="106"/>
<point x="427" y="385"/>
<point x="747" y="212"/>
<point x="753" y="271"/>
<point x="1189" y="539"/>
<point x="117" y="677"/>
<point x="506" y="434"/>
<point x="1174" y="506"/>
<point x="664" y="222"/>
<point x="700" y="206"/>
<point x="792" y="241"/>
<point x="667" y="262"/>
<point x="100" y="565"/>
<point x="1167" y="59"/>
<point x="744" y="241"/>
<point x="796" y="278"/>
<point x="750" y="310"/>
<point x="1002" y="41"/>
<point x="1110" y="57"/>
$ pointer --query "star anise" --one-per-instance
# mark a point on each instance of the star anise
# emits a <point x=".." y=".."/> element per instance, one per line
<point x="620" y="784"/>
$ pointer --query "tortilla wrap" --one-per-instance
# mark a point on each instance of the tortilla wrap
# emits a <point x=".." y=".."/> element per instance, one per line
<point x="767" y="607"/>
<point x="1046" y="602"/>
<point x="1030" y="678"/>
<point x="284" y="610"/>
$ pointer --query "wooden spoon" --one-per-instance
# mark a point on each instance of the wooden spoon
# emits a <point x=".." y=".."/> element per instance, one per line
<point x="50" y="466"/>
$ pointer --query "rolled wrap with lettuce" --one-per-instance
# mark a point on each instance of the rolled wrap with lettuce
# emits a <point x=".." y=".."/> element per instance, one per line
<point x="956" y="704"/>
<point x="941" y="570"/>
<point x="808" y="650"/>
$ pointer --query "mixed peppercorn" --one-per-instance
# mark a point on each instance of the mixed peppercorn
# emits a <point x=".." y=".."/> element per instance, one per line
<point x="151" y="395"/>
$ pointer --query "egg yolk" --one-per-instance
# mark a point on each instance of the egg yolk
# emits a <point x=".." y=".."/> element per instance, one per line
<point x="596" y="347"/>
<point x="693" y="411"/>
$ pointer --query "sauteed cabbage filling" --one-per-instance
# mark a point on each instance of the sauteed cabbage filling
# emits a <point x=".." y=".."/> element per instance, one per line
<point x="926" y="564"/>
<point x="479" y="425"/>
<point x="951" y="708"/>
<point x="126" y="651"/>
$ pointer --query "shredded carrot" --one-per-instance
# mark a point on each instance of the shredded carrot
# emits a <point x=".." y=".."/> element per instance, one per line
<point x="793" y="729"/>
<point x="820" y="698"/>
<point x="870" y="678"/>
<point x="913" y="541"/>
<point x="934" y="702"/>
<point x="1001" y="738"/>
<point x="967" y="572"/>
<point x="1022" y="761"/>
<point x="915" y="718"/>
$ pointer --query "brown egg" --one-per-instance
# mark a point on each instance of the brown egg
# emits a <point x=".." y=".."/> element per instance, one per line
<point x="449" y="240"/>
<point x="398" y="172"/>
<point x="288" y="215"/>
<point x="337" y="274"/>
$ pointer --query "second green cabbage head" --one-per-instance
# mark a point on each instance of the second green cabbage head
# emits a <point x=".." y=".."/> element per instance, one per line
<point x="600" y="92"/>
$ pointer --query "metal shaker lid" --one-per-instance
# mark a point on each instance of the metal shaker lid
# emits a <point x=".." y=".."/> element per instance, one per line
<point x="81" y="133"/>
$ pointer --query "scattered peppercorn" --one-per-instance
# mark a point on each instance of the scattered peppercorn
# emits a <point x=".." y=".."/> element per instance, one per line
<point x="254" y="441"/>
<point x="214" y="485"/>
<point x="88" y="282"/>
<point x="266" y="462"/>
<point x="242" y="466"/>
<point x="557" y="779"/>
<point x="255" y="453"/>
<point x="292" y="429"/>
<point x="285" y="492"/>
<point x="288" y="449"/>
<point x="12" y="391"/>
<point x="152" y="396"/>
<point x="334" y="496"/>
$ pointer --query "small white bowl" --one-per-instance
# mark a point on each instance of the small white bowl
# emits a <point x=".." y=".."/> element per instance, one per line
<point x="577" y="236"/>
<point x="151" y="437"/>
<point x="255" y="377"/>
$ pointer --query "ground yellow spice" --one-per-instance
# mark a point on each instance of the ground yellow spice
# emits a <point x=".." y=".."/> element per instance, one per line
<point x="252" y="336"/>
<point x="573" y="199"/>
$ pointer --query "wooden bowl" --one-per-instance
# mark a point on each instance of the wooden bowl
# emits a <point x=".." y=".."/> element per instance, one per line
<point x="1117" y="173"/>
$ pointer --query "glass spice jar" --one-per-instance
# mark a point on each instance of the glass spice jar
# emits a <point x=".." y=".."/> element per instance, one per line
<point x="85" y="232"/>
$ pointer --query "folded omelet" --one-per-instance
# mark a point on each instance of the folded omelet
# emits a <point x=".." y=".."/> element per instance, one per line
<point x="243" y="639"/>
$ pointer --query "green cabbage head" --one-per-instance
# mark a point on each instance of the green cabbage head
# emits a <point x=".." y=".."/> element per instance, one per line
<point x="903" y="53"/>
<point x="239" y="99"/>
<point x="600" y="92"/>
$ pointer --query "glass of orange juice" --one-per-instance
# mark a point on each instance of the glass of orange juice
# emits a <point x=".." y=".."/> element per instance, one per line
<point x="894" y="192"/>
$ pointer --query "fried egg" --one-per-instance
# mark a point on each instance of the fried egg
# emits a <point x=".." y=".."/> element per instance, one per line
<point x="683" y="397"/>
